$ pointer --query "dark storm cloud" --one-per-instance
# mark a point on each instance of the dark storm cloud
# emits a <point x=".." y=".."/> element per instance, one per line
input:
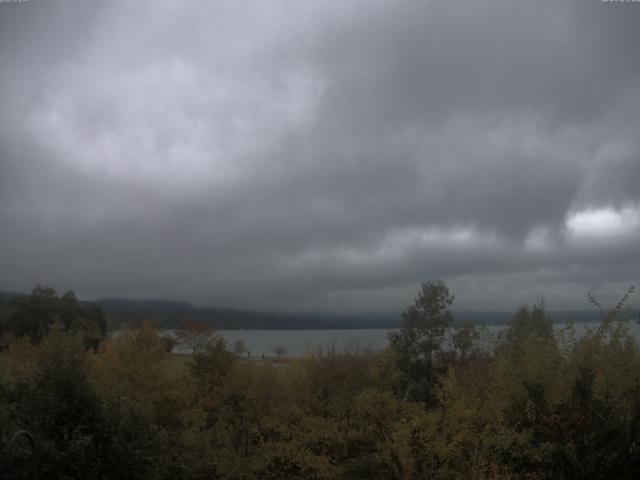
<point x="303" y="155"/>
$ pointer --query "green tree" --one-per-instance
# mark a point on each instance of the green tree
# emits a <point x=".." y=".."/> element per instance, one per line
<point x="211" y="364"/>
<point x="465" y="340"/>
<point x="32" y="315"/>
<point x="419" y="341"/>
<point x="528" y="322"/>
<point x="55" y="401"/>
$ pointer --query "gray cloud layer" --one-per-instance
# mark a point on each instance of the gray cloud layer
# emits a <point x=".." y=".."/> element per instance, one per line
<point x="307" y="155"/>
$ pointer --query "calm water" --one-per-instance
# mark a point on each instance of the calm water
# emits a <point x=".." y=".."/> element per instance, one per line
<point x="302" y="342"/>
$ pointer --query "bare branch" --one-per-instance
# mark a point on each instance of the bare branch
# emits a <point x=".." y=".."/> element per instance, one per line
<point x="593" y="301"/>
<point x="624" y="299"/>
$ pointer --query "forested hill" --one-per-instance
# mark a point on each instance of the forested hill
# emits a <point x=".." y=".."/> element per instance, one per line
<point x="173" y="314"/>
<point x="168" y="314"/>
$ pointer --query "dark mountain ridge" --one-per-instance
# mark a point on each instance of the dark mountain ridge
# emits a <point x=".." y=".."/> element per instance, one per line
<point x="172" y="314"/>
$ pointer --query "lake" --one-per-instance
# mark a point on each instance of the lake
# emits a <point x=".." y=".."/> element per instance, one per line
<point x="303" y="342"/>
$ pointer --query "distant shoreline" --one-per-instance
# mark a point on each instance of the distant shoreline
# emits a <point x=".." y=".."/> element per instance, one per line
<point x="171" y="315"/>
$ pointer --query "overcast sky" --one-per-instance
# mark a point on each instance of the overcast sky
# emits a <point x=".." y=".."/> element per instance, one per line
<point x="321" y="155"/>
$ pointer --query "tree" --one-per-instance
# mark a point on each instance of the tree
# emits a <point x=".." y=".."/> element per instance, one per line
<point x="419" y="341"/>
<point x="465" y="340"/>
<point x="528" y="322"/>
<point x="32" y="316"/>
<point x="58" y="405"/>
<point x="146" y="394"/>
<point x="195" y="336"/>
<point x="211" y="364"/>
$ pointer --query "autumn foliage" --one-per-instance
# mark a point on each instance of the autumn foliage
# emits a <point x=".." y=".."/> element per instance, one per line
<point x="532" y="403"/>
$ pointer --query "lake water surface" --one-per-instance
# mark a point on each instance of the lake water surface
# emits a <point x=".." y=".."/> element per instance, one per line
<point x="303" y="342"/>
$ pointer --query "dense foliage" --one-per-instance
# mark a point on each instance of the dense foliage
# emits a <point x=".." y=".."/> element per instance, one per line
<point x="529" y="404"/>
<point x="32" y="316"/>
